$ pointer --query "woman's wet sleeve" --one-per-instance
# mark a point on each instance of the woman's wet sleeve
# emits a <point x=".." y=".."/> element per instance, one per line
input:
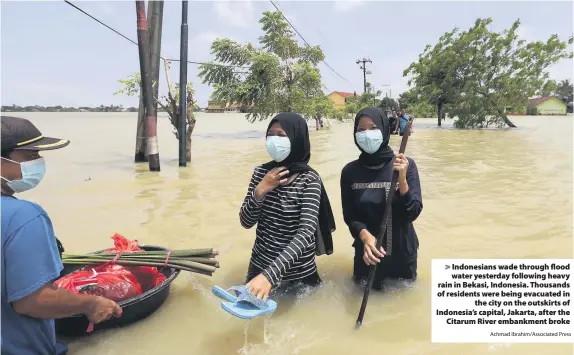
<point x="349" y="209"/>
<point x="305" y="238"/>
<point x="251" y="208"/>
<point x="412" y="200"/>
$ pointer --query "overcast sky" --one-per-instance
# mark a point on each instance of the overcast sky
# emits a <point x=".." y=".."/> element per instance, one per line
<point x="53" y="54"/>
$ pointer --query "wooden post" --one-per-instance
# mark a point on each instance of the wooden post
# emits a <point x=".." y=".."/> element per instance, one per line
<point x="156" y="24"/>
<point x="141" y="153"/>
<point x="183" y="85"/>
<point x="147" y="87"/>
<point x="155" y="21"/>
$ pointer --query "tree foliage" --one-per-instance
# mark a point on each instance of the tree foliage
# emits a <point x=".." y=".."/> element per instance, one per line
<point x="131" y="85"/>
<point x="548" y="89"/>
<point x="354" y="104"/>
<point x="417" y="105"/>
<point x="438" y="76"/>
<point x="388" y="103"/>
<point x="564" y="91"/>
<point x="480" y="73"/>
<point x="277" y="76"/>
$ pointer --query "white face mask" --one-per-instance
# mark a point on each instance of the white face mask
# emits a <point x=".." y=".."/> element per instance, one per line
<point x="278" y="148"/>
<point x="33" y="172"/>
<point x="370" y="140"/>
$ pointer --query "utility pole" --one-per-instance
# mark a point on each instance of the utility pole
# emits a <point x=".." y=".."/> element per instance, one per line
<point x="384" y="86"/>
<point x="155" y="21"/>
<point x="147" y="87"/>
<point x="363" y="66"/>
<point x="183" y="50"/>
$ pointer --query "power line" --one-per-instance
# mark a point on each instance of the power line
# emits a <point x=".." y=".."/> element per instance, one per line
<point x="305" y="41"/>
<point x="134" y="42"/>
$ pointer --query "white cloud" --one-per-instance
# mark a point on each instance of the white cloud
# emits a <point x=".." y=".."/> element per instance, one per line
<point x="235" y="13"/>
<point x="347" y="5"/>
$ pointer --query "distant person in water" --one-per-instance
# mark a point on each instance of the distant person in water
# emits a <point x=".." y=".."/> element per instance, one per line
<point x="392" y="118"/>
<point x="403" y="119"/>
<point x="365" y="183"/>
<point x="287" y="201"/>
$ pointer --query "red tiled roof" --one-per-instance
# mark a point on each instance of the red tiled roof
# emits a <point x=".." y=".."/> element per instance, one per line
<point x="344" y="94"/>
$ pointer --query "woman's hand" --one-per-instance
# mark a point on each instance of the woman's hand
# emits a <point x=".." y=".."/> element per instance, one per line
<point x="259" y="286"/>
<point x="371" y="255"/>
<point x="401" y="165"/>
<point x="274" y="178"/>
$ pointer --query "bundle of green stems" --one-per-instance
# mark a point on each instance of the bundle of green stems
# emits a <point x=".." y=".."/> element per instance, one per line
<point x="201" y="261"/>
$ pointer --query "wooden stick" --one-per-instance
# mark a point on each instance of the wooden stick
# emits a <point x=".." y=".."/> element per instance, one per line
<point x="388" y="206"/>
<point x="179" y="266"/>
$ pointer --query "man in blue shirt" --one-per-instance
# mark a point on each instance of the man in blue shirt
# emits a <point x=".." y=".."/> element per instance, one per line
<point x="31" y="258"/>
<point x="403" y="119"/>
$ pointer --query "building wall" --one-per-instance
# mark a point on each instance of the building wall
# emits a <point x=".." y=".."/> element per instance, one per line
<point x="338" y="100"/>
<point x="552" y="106"/>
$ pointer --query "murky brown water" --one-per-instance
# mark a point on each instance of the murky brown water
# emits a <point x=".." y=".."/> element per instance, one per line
<point x="487" y="194"/>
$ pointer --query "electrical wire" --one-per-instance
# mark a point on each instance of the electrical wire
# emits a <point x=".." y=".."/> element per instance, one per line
<point x="134" y="42"/>
<point x="305" y="41"/>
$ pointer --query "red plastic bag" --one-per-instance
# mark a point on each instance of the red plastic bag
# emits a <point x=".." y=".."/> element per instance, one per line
<point x="123" y="245"/>
<point x="113" y="282"/>
<point x="160" y="279"/>
<point x="146" y="275"/>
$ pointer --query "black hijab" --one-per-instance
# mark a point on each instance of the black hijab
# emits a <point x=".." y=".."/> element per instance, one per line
<point x="298" y="162"/>
<point x="385" y="153"/>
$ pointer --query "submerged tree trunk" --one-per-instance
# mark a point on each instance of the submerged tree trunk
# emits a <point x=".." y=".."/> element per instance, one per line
<point x="439" y="107"/>
<point x="318" y="122"/>
<point x="173" y="111"/>
<point x="190" y="125"/>
<point x="506" y="119"/>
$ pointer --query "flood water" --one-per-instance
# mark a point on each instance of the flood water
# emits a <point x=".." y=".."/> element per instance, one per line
<point x="486" y="194"/>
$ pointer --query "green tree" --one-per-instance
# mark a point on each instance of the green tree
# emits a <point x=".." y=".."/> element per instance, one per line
<point x="131" y="86"/>
<point x="549" y="88"/>
<point x="490" y="71"/>
<point x="319" y="107"/>
<point x="419" y="106"/>
<point x="565" y="91"/>
<point x="354" y="104"/>
<point x="388" y="103"/>
<point x="280" y="75"/>
<point x="438" y="76"/>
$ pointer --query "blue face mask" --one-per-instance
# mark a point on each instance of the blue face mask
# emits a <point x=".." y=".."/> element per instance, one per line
<point x="278" y="148"/>
<point x="370" y="140"/>
<point x="32" y="173"/>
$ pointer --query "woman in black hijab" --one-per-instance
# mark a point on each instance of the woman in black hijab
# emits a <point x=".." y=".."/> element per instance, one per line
<point x="365" y="183"/>
<point x="287" y="201"/>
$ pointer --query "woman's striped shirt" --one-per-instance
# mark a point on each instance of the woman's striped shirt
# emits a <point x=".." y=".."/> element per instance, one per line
<point x="286" y="222"/>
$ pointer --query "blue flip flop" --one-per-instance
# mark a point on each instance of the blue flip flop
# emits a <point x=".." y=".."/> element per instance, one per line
<point x="247" y="306"/>
<point x="227" y="295"/>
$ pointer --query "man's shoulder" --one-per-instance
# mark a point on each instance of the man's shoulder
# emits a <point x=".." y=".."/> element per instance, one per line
<point x="16" y="213"/>
<point x="14" y="205"/>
